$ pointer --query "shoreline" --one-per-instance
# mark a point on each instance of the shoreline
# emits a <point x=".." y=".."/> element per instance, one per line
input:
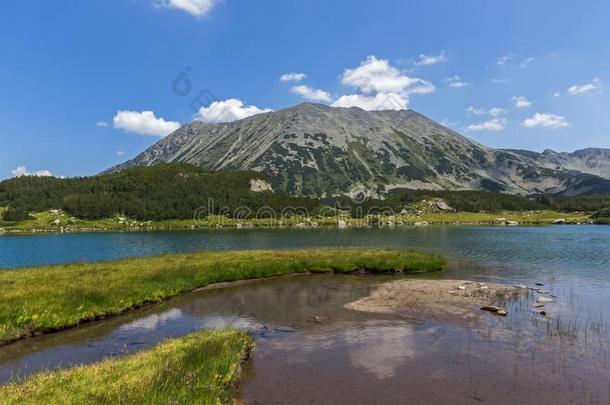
<point x="77" y="230"/>
<point x="204" y="366"/>
<point x="44" y="300"/>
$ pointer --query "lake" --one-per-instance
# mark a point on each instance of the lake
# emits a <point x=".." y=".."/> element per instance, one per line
<point x="352" y="356"/>
<point x="567" y="248"/>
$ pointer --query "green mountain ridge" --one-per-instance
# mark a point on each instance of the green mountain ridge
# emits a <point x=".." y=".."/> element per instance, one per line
<point x="314" y="150"/>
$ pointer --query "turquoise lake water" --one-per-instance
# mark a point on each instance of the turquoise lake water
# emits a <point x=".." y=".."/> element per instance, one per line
<point x="574" y="252"/>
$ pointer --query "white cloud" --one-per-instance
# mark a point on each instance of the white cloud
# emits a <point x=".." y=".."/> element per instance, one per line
<point x="521" y="102"/>
<point x="494" y="125"/>
<point x="383" y="87"/>
<point x="544" y="120"/>
<point x="525" y="62"/>
<point x="502" y="60"/>
<point x="196" y="8"/>
<point x="378" y="76"/>
<point x="456" y="82"/>
<point x="120" y="153"/>
<point x="380" y="101"/>
<point x="457" y="85"/>
<point x="21" y="171"/>
<point x="292" y="77"/>
<point x="101" y="124"/>
<point x="556" y="94"/>
<point x="144" y="123"/>
<point x="310" y="93"/>
<point x="476" y="111"/>
<point x="227" y="111"/>
<point x="431" y="59"/>
<point x="494" y="111"/>
<point x="595" y="84"/>
<point x="499" y="80"/>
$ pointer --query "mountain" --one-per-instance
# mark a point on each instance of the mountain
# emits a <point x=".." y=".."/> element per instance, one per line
<point x="594" y="161"/>
<point x="317" y="150"/>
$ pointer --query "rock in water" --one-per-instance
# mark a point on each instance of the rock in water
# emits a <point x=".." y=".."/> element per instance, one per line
<point x="495" y="310"/>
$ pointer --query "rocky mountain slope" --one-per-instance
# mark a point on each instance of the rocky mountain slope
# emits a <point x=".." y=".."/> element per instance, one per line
<point x="317" y="150"/>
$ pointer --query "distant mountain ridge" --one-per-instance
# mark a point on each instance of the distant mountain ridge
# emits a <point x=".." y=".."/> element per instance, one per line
<point x="317" y="150"/>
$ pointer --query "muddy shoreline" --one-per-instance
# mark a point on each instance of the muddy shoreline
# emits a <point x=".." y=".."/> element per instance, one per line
<point x="447" y="299"/>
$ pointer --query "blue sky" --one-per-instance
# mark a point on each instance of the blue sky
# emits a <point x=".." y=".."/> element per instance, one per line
<point x="87" y="84"/>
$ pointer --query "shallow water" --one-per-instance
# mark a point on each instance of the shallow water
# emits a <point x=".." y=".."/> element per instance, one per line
<point x="344" y="356"/>
<point x="311" y="350"/>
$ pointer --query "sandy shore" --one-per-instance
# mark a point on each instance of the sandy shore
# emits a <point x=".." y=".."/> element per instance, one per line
<point x="456" y="299"/>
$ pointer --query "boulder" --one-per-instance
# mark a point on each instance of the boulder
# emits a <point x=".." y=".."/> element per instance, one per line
<point x="559" y="222"/>
<point x="258" y="186"/>
<point x="443" y="206"/>
<point x="495" y="309"/>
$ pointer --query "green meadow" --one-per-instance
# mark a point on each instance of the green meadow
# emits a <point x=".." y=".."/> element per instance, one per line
<point x="50" y="298"/>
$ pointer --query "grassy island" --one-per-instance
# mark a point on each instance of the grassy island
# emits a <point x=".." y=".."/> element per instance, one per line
<point x="200" y="368"/>
<point x="51" y="298"/>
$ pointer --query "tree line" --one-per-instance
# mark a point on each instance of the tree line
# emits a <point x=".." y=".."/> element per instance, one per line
<point x="177" y="191"/>
<point x="160" y="192"/>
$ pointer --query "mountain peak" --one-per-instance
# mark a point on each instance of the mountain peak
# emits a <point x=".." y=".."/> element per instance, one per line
<point x="317" y="150"/>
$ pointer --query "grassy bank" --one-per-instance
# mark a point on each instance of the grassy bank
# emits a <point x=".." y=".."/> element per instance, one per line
<point x="61" y="222"/>
<point x="524" y="218"/>
<point x="200" y="368"/>
<point x="47" y="298"/>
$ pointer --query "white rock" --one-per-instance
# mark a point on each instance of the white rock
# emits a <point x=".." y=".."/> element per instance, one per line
<point x="258" y="185"/>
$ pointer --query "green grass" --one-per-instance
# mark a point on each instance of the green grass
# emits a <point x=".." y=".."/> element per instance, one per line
<point x="526" y="217"/>
<point x="45" y="221"/>
<point x="47" y="298"/>
<point x="200" y="368"/>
